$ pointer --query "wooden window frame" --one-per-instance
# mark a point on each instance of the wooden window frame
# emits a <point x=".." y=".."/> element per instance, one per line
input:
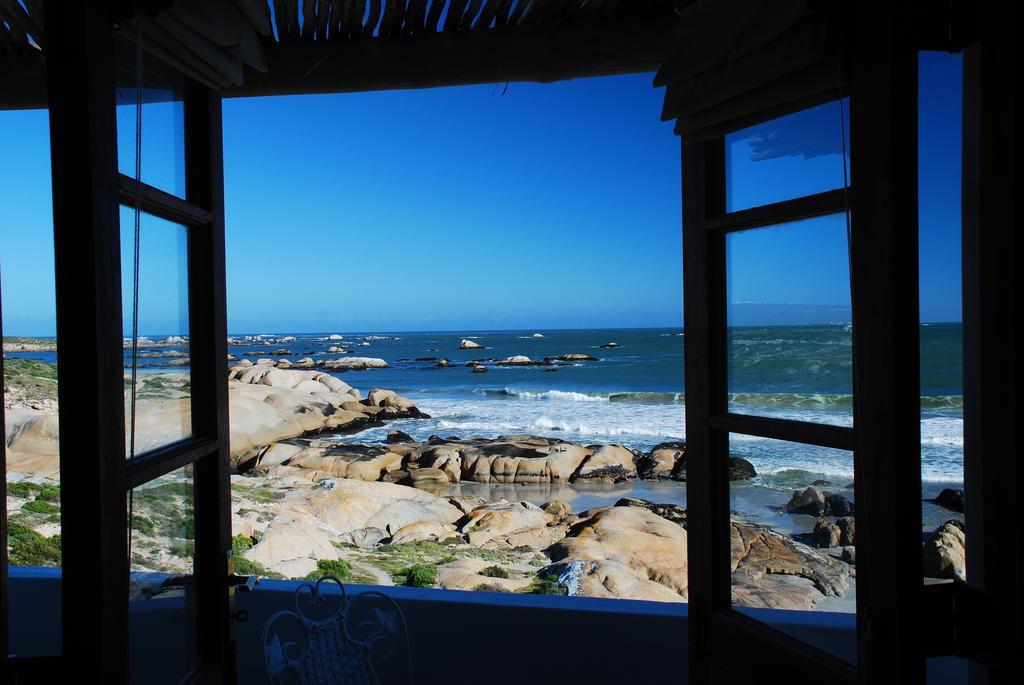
<point x="96" y="477"/>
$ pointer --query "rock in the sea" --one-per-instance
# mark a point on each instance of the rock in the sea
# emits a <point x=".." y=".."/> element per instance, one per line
<point x="952" y="499"/>
<point x="847" y="531"/>
<point x="470" y="345"/>
<point x="667" y="460"/>
<point x="479" y="368"/>
<point x="608" y="462"/>
<point x="572" y="357"/>
<point x="826" y="534"/>
<point x="397" y="436"/>
<point x="609" y="345"/>
<point x="517" y="360"/>
<point x="837" y="505"/>
<point x="740" y="469"/>
<point x="354" y="364"/>
<point x="945" y="552"/>
<point x="428" y="478"/>
<point x="508" y="460"/>
<point x="810" y="501"/>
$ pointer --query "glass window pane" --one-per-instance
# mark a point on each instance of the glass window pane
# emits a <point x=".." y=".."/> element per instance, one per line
<point x="793" y="540"/>
<point x="785" y="158"/>
<point x="941" y="314"/>
<point x="790" y="340"/>
<point x="32" y="617"/>
<point x="163" y="119"/>
<point x="162" y="551"/>
<point x="163" y="412"/>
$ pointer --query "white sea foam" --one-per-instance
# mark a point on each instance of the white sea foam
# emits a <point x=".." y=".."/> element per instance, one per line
<point x="590" y="418"/>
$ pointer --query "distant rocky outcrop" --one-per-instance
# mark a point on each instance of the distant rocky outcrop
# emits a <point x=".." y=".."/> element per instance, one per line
<point x="466" y="344"/>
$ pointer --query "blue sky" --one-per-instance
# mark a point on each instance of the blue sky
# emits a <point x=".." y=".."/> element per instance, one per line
<point x="531" y="206"/>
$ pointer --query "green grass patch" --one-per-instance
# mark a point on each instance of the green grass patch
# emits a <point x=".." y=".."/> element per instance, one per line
<point x="27" y="490"/>
<point x="38" y="506"/>
<point x="420" y="576"/>
<point x="494" y="572"/>
<point x="489" y="587"/>
<point x="339" y="568"/>
<point x="35" y="379"/>
<point x="143" y="525"/>
<point x="26" y="547"/>
<point x="240" y="543"/>
<point x="546" y="585"/>
<point x="245" y="567"/>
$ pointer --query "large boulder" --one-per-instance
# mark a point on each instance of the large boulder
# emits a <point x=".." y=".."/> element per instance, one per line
<point x="667" y="460"/>
<point x="360" y="462"/>
<point x="623" y="552"/>
<point x="470" y="345"/>
<point x="945" y="552"/>
<point x="353" y="505"/>
<point x="740" y="469"/>
<point x="502" y="518"/>
<point x="810" y="501"/>
<point x="513" y="460"/>
<point x="767" y="566"/>
<point x="467" y="574"/>
<point x="609" y="462"/>
<point x="669" y="512"/>
<point x="32" y="443"/>
<point x="292" y="547"/>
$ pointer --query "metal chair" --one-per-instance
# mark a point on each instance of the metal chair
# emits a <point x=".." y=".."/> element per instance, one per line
<point x="331" y="638"/>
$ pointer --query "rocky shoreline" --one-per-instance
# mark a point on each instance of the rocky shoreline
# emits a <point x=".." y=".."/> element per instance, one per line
<point x="305" y="502"/>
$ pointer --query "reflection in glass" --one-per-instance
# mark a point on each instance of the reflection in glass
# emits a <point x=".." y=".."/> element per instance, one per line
<point x="790" y="340"/>
<point x="30" y="349"/>
<point x="786" y="158"/>
<point x="162" y="550"/>
<point x="794" y="540"/>
<point x="163" y="119"/>
<point x="163" y="411"/>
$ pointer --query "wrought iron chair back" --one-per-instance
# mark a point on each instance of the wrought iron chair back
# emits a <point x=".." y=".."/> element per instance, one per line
<point x="331" y="638"/>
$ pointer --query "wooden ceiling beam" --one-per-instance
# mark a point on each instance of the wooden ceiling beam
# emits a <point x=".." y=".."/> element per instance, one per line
<point x="527" y="53"/>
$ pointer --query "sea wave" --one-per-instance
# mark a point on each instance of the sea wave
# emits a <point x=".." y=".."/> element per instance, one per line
<point x="766" y="400"/>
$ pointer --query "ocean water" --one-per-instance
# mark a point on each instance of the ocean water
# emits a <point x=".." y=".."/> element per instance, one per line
<point x="634" y="394"/>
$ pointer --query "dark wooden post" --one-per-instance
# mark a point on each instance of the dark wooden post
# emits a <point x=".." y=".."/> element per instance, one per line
<point x="991" y="194"/>
<point x="208" y="351"/>
<point x="80" y="65"/>
<point x="704" y="311"/>
<point x="883" y="124"/>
